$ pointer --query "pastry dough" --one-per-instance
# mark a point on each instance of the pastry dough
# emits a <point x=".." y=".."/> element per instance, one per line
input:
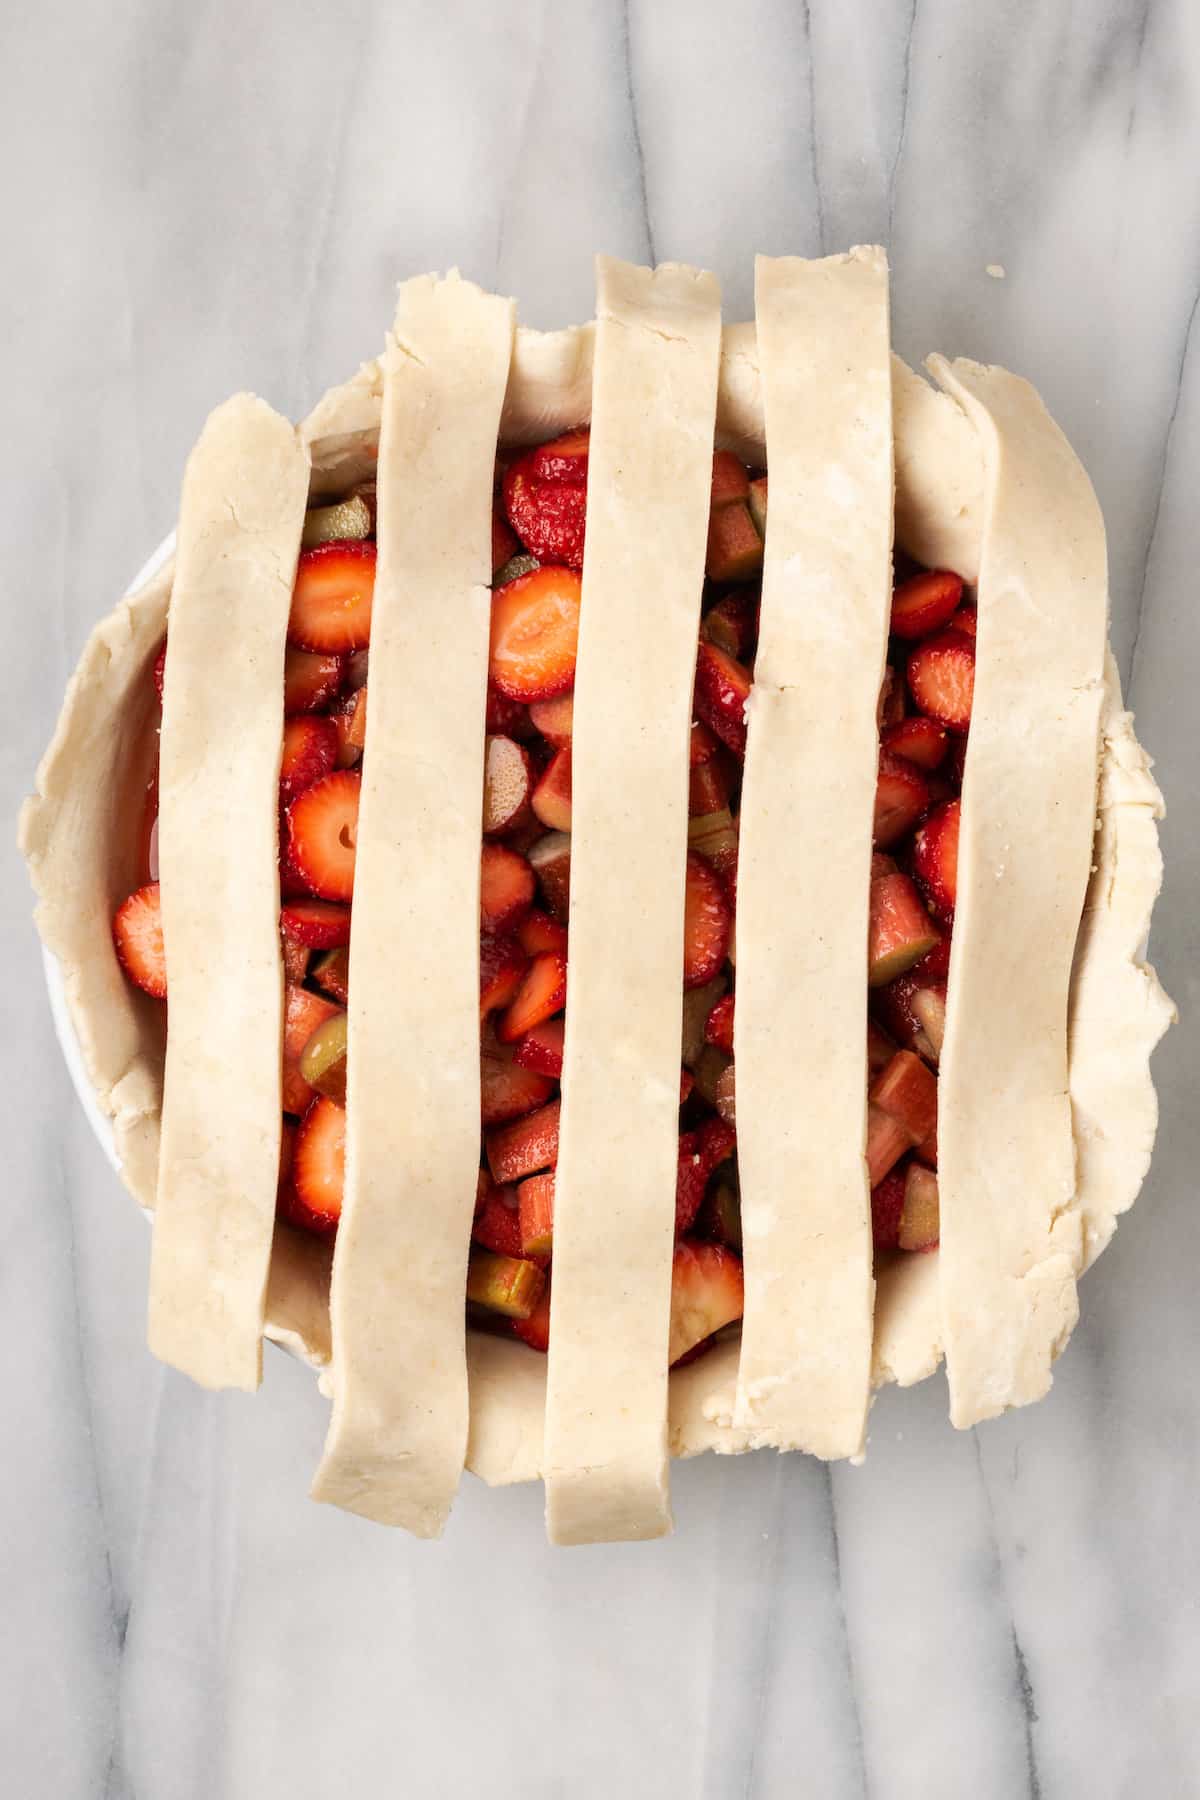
<point x="1011" y="1233"/>
<point x="240" y="519"/>
<point x="808" y="800"/>
<point x="658" y="340"/>
<point x="399" y="1430"/>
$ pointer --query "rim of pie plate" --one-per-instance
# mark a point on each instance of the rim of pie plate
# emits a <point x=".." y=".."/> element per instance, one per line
<point x="938" y="521"/>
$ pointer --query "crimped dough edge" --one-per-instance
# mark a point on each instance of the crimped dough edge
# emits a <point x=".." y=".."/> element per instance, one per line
<point x="76" y="837"/>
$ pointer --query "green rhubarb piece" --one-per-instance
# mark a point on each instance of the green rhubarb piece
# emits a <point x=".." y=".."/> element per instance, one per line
<point x="323" y="1058"/>
<point x="345" y="519"/>
<point x="725" y="1214"/>
<point x="516" y="565"/>
<point x="757" y="499"/>
<point x="504" y="1284"/>
<point x="697" y="1004"/>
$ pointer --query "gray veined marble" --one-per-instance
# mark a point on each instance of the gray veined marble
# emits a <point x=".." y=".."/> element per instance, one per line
<point x="204" y="198"/>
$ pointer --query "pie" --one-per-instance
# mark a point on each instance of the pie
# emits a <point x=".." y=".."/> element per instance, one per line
<point x="545" y="685"/>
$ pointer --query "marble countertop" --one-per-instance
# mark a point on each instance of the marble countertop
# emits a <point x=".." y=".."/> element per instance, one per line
<point x="208" y="198"/>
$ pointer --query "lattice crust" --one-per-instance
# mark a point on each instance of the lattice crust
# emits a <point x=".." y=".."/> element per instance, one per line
<point x="984" y="484"/>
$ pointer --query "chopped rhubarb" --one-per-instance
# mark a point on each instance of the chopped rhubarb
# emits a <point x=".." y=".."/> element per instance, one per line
<point x="310" y="680"/>
<point x="331" y="972"/>
<point x="310" y="751"/>
<point x="138" y="939"/>
<point x="725" y="1095"/>
<point x="714" y="836"/>
<point x="497" y="1224"/>
<point x="538" y="931"/>
<point x="319" y="1167"/>
<point x="901" y="796"/>
<point x="707" y="920"/>
<point x="345" y="519"/>
<point x="550" y="859"/>
<point x="505" y="717"/>
<point x="535" y="1209"/>
<point x="880" y="1048"/>
<point x="554" y="719"/>
<point x="721" y="1215"/>
<point x="924" y="603"/>
<point x="929" y="1008"/>
<point x="718" y="1027"/>
<point x="907" y="1091"/>
<point x="891" y="705"/>
<point x="551" y="797"/>
<point x="722" y="690"/>
<point x="535" y="1330"/>
<point x="895" y="1004"/>
<point x="541" y="1048"/>
<point x="563" y="459"/>
<point x="732" y="624"/>
<point x="707" y="1292"/>
<point x="508" y="1090"/>
<point x="322" y="829"/>
<point x="730" y="480"/>
<point x="887" y="1207"/>
<point x="502" y="964"/>
<point x="549" y="517"/>
<point x="735" y="550"/>
<point x="542" y="993"/>
<point x="701" y="1152"/>
<point x="295" y="959"/>
<point x="525" y="1146"/>
<point x="514" y="567"/>
<point x="918" y="740"/>
<point x="935" y="858"/>
<point x="535" y="634"/>
<point x="941" y="678"/>
<point x="757" y="501"/>
<point x="920" y="1222"/>
<point x="899" y="931"/>
<point x="349" y="720"/>
<point x="709" y="788"/>
<point x="507" y="782"/>
<point x="331" y="601"/>
<point x="302" y="1013"/>
<point x="355" y="670"/>
<point x="323" y="1058"/>
<point x="320" y="924"/>
<point x="697" y="1004"/>
<point x="504" y="1284"/>
<point x="887" y="1142"/>
<point x="707" y="1070"/>
<point x="506" y="888"/>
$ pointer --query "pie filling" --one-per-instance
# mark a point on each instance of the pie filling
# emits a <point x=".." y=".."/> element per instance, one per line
<point x="537" y="553"/>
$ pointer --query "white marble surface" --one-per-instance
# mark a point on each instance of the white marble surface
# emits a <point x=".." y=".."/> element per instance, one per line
<point x="202" y="198"/>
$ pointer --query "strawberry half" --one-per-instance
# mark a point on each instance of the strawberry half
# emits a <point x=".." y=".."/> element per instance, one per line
<point x="310" y="751"/>
<point x="322" y="830"/>
<point x="924" y="602"/>
<point x="506" y="888"/>
<point x="718" y="1027"/>
<point x="310" y="680"/>
<point x="138" y="938"/>
<point x="538" y="931"/>
<point x="535" y="633"/>
<point x="319" y="1167"/>
<point x="302" y="1013"/>
<point x="700" y="1153"/>
<point x="551" y="798"/>
<point x="941" y="678"/>
<point x="707" y="1292"/>
<point x="918" y="740"/>
<point x="318" y="924"/>
<point x="935" y="858"/>
<point x="707" y="922"/>
<point x="901" y="796"/>
<point x="331" y="601"/>
<point x="542" y="993"/>
<point x="549" y="517"/>
<point x="541" y="1048"/>
<point x="502" y="963"/>
<point x="563" y="459"/>
<point x="507" y="781"/>
<point x="722" y="690"/>
<point x="508" y="1090"/>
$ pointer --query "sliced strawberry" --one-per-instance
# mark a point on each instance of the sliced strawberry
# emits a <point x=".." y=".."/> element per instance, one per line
<point x="331" y="972"/>
<point x="504" y="540"/>
<point x="735" y="550"/>
<point x="310" y="680"/>
<point x="302" y="1013"/>
<point x="322" y="831"/>
<point x="535" y="1208"/>
<point x="349" y="721"/>
<point x="965" y="619"/>
<point x="507" y="784"/>
<point x="538" y="931"/>
<point x="321" y="924"/>
<point x="295" y="959"/>
<point x="687" y="1082"/>
<point x="505" y="717"/>
<point x="730" y="479"/>
<point x="138" y="938"/>
<point x="956" y="767"/>
<point x="725" y="1095"/>
<point x="901" y="796"/>
<point x="506" y="888"/>
<point x="893" y="701"/>
<point x="941" y="678"/>
<point x="310" y="749"/>
<point x="550" y="859"/>
<point x="319" y="1167"/>
<point x="542" y="993"/>
<point x="502" y="964"/>
<point x="919" y="1221"/>
<point x="497" y="1224"/>
<point x="897" y="1006"/>
<point x="722" y="690"/>
<point x="718" y="1027"/>
<point x="549" y="517"/>
<point x="935" y="858"/>
<point x="887" y="1205"/>
<point x="551" y="798"/>
<point x="331" y="601"/>
<point x="526" y="1146"/>
<point x="732" y="624"/>
<point x="923" y="603"/>
<point x="541" y="1048"/>
<point x="918" y="740"/>
<point x="535" y="1330"/>
<point x="564" y="459"/>
<point x="355" y="669"/>
<point x="707" y="923"/>
<point x="899" y="932"/>
<point x="700" y="1153"/>
<point x="554" y="719"/>
<point x="707" y="1292"/>
<point x="507" y="1089"/>
<point x="160" y="669"/>
<point x="535" y="633"/>
<point x="703" y="746"/>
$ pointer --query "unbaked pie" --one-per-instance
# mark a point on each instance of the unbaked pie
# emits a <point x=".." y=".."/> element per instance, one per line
<point x="548" y="660"/>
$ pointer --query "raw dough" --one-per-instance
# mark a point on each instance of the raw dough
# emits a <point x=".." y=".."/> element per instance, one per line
<point x="399" y="1430"/>
<point x="658" y="341"/>
<point x="240" y="519"/>
<point x="808" y="800"/>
